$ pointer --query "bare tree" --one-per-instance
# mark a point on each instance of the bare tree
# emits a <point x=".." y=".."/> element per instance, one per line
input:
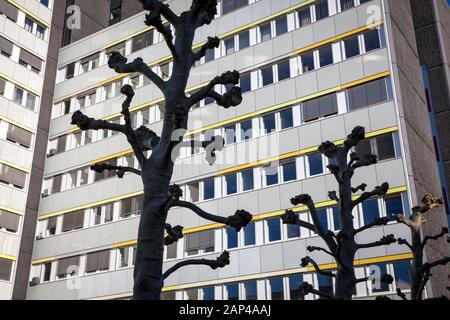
<point x="157" y="169"/>
<point x="341" y="246"/>
<point x="420" y="271"/>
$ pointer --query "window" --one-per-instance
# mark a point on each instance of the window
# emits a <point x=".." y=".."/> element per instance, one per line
<point x="70" y="70"/>
<point x="123" y="255"/>
<point x="307" y="62"/>
<point x="245" y="82"/>
<point x="208" y="293"/>
<point x="249" y="234"/>
<point x="394" y="206"/>
<point x="232" y="291"/>
<point x="293" y="231"/>
<point x="401" y="274"/>
<point x="231" y="183"/>
<point x="385" y="147"/>
<point x="68" y="267"/>
<point x="250" y="290"/>
<point x="246" y="130"/>
<point x="28" y="24"/>
<point x="274" y="229"/>
<point x="322" y="10"/>
<point x="230" y="134"/>
<point x="266" y="31"/>
<point x="172" y="251"/>
<point x="284" y="70"/>
<point x="9" y="10"/>
<point x="370" y="211"/>
<point x="131" y="206"/>
<point x="31" y="101"/>
<point x="268" y="122"/>
<point x="40" y="32"/>
<point x="347" y="4"/>
<point x="208" y="189"/>
<point x="18" y="95"/>
<point x="232" y="238"/>
<point x="142" y="41"/>
<point x="367" y="94"/>
<point x="51" y="226"/>
<point x="232" y="5"/>
<point x="203" y="240"/>
<point x="304" y="17"/>
<point x="192" y="294"/>
<point x="193" y="191"/>
<point x="165" y="70"/>
<point x="9" y="221"/>
<point x="10" y="175"/>
<point x="209" y="55"/>
<point x="73" y="221"/>
<point x="315" y="163"/>
<point x="115" y="10"/>
<point x="47" y="271"/>
<point x="378" y="271"/>
<point x="351" y="47"/>
<point x="229" y="45"/>
<point x="276" y="288"/>
<point x="323" y="218"/>
<point x="5" y="269"/>
<point x="336" y="218"/>
<point x="19" y="135"/>
<point x="287" y="119"/>
<point x="325" y="284"/>
<point x="372" y="40"/>
<point x="247" y="180"/>
<point x="289" y="171"/>
<point x="97" y="261"/>
<point x="267" y="75"/>
<point x="44" y="2"/>
<point x="2" y="86"/>
<point x="295" y="281"/>
<point x="244" y="40"/>
<point x="271" y="174"/>
<point x="281" y="25"/>
<point x="326" y="56"/>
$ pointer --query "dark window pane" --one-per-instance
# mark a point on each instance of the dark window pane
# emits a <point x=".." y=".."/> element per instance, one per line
<point x="326" y="56"/>
<point x="351" y="47"/>
<point x="336" y="219"/>
<point x="265" y="31"/>
<point x="325" y="284"/>
<point x="281" y="25"/>
<point x="295" y="282"/>
<point x="250" y="290"/>
<point x="323" y="218"/>
<point x="229" y="45"/>
<point x="378" y="271"/>
<point x="249" y="234"/>
<point x="394" y="207"/>
<point x="231" y="181"/>
<point x="372" y="40"/>
<point x="247" y="180"/>
<point x="287" y="120"/>
<point x="246" y="130"/>
<point x="276" y="288"/>
<point x="370" y="210"/>
<point x="347" y="4"/>
<point x="304" y="17"/>
<point x="269" y="123"/>
<point x="230" y="134"/>
<point x="209" y="56"/>
<point x="376" y="91"/>
<point x="328" y="105"/>
<point x="245" y="82"/>
<point x="357" y="97"/>
<point x="311" y="110"/>
<point x="363" y="148"/>
<point x="208" y="293"/>
<point x="267" y="75"/>
<point x="315" y="163"/>
<point x="232" y="291"/>
<point x="271" y="176"/>
<point x="293" y="231"/>
<point x="208" y="192"/>
<point x="289" y="171"/>
<point x="284" y="70"/>
<point x="307" y="62"/>
<point x="274" y="229"/>
<point x="232" y="238"/>
<point x="385" y="147"/>
<point x="244" y="40"/>
<point x="322" y="10"/>
<point x="401" y="274"/>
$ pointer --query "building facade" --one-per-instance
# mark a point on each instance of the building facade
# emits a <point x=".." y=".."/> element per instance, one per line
<point x="310" y="71"/>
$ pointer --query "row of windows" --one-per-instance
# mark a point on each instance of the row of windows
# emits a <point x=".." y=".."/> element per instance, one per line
<point x="17" y="94"/>
<point x="288" y="287"/>
<point x="9" y="222"/>
<point x="20" y="55"/>
<point x="229" y="45"/>
<point x="15" y="134"/>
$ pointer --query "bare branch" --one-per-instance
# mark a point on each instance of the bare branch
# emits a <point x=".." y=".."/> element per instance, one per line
<point x="307" y="260"/>
<point x="334" y="169"/>
<point x="306" y="288"/>
<point x="119" y="170"/>
<point x="162" y="8"/>
<point x="405" y="242"/>
<point x="357" y="134"/>
<point x="378" y="191"/>
<point x="232" y="98"/>
<point x="401" y="294"/>
<point x="289" y="217"/>
<point x="221" y="261"/>
<point x="333" y="196"/>
<point x="203" y="11"/>
<point x="239" y="220"/>
<point x="173" y="234"/>
<point x="361" y="187"/>
<point x="118" y="63"/>
<point x="211" y="43"/>
<point x="436" y="237"/>
<point x="85" y="123"/>
<point x="378" y="222"/>
<point x="154" y="19"/>
<point x="364" y="161"/>
<point x="386" y="240"/>
<point x="328" y="149"/>
<point x="440" y="262"/>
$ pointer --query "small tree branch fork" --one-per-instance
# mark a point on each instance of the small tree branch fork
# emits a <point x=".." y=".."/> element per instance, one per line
<point x="384" y="241"/>
<point x="307" y="260"/>
<point x="119" y="170"/>
<point x="221" y="261"/>
<point x="307" y="288"/>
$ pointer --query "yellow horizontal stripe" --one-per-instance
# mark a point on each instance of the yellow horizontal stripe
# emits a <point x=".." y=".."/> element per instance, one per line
<point x="18" y="6"/>
<point x="38" y="261"/>
<point x="89" y="205"/>
<point x="12" y="165"/>
<point x="22" y="86"/>
<point x="297" y="153"/>
<point x="151" y="64"/>
<point x="17" y="124"/>
<point x="10" y="210"/>
<point x="338" y="37"/>
<point x="318" y="205"/>
<point x="248" y="115"/>
<point x="7" y="257"/>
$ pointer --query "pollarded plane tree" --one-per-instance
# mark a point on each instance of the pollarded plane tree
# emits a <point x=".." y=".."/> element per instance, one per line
<point x="157" y="168"/>
<point x="420" y="272"/>
<point x="342" y="246"/>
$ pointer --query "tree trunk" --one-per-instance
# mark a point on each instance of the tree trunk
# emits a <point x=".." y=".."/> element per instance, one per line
<point x="345" y="274"/>
<point x="416" y="272"/>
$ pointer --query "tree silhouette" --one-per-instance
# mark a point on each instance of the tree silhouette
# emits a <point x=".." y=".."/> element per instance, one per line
<point x="157" y="169"/>
<point x="342" y="246"/>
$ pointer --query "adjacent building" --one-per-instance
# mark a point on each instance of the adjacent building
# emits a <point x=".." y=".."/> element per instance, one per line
<point x="310" y="71"/>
